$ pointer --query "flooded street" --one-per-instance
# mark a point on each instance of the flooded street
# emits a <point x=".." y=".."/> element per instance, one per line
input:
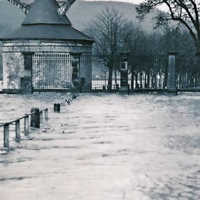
<point x="105" y="147"/>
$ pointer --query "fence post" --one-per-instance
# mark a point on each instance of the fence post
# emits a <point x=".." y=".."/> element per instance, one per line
<point x="41" y="116"/>
<point x="6" y="136"/>
<point x="46" y="114"/>
<point x="57" y="107"/>
<point x="26" y="125"/>
<point x="17" y="131"/>
<point x="35" y="117"/>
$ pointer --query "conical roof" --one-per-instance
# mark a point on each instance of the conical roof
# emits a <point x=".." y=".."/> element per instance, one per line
<point x="44" y="22"/>
<point x="45" y="12"/>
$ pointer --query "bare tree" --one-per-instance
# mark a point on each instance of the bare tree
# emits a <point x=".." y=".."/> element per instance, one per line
<point x="108" y="30"/>
<point x="185" y="12"/>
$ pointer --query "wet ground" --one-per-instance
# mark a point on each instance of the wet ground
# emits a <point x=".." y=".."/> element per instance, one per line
<point x="105" y="147"/>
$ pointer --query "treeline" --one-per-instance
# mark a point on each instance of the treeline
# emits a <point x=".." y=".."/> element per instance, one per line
<point x="147" y="53"/>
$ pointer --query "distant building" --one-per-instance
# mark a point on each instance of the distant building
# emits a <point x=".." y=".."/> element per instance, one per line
<point x="46" y="53"/>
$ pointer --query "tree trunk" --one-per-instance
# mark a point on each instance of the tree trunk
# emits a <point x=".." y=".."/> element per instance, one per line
<point x="152" y="80"/>
<point x="160" y="79"/>
<point x="132" y="78"/>
<point x="165" y="78"/>
<point x="136" y="80"/>
<point x="115" y="77"/>
<point x="180" y="84"/>
<point x="141" y="80"/>
<point x="148" y="79"/>
<point x="110" y="78"/>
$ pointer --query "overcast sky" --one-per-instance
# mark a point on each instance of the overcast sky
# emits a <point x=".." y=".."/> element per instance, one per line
<point x="131" y="1"/>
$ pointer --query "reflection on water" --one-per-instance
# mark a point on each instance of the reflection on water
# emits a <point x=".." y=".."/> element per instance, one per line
<point x="105" y="147"/>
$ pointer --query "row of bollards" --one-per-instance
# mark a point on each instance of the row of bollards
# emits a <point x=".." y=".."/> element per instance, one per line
<point x="36" y="117"/>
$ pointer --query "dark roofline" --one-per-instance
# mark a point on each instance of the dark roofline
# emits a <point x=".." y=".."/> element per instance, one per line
<point x="40" y="23"/>
<point x="83" y="34"/>
<point x="47" y="32"/>
<point x="52" y="39"/>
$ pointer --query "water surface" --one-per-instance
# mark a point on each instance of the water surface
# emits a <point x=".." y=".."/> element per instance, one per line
<point x="113" y="146"/>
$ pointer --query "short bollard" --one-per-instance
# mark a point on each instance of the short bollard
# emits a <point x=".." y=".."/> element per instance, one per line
<point x="26" y="125"/>
<point x="46" y="114"/>
<point x="57" y="107"/>
<point x="6" y="136"/>
<point x="35" y="117"/>
<point x="74" y="96"/>
<point x="128" y="89"/>
<point x="41" y="116"/>
<point x="17" y="131"/>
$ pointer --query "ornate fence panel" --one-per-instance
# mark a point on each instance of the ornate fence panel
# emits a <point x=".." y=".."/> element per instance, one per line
<point x="52" y="71"/>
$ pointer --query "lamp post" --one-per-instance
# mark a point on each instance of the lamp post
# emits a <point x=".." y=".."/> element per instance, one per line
<point x="124" y="71"/>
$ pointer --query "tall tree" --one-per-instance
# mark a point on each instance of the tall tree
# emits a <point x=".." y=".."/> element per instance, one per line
<point x="108" y="31"/>
<point x="186" y="12"/>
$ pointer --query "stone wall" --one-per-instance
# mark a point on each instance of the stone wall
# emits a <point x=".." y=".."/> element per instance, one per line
<point x="13" y="59"/>
<point x="12" y="70"/>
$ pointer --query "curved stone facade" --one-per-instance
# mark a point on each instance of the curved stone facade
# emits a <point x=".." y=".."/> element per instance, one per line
<point x="50" y="60"/>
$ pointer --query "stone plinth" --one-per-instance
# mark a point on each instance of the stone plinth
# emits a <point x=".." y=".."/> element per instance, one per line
<point x="171" y="78"/>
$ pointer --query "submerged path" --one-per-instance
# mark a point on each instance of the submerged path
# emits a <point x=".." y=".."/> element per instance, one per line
<point x="109" y="148"/>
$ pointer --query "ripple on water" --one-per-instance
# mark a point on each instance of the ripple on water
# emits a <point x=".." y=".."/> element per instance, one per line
<point x="185" y="143"/>
<point x="20" y="178"/>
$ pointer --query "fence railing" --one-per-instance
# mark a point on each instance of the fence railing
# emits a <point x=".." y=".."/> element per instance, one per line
<point x="140" y="80"/>
<point x="184" y="81"/>
<point x="32" y="119"/>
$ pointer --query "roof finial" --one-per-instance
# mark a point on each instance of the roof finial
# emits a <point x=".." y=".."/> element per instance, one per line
<point x="64" y="5"/>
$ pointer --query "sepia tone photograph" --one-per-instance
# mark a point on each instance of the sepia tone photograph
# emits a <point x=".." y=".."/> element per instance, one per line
<point x="99" y="99"/>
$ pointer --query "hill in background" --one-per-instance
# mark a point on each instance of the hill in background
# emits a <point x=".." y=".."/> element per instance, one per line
<point x="10" y="17"/>
<point x="81" y="14"/>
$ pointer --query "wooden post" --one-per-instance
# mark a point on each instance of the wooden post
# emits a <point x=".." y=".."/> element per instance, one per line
<point x="41" y="116"/>
<point x="35" y="117"/>
<point x="26" y="125"/>
<point x="6" y="136"/>
<point x="17" y="131"/>
<point x="57" y="107"/>
<point x="46" y="114"/>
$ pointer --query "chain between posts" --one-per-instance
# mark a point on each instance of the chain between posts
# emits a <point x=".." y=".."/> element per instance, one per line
<point x="32" y="119"/>
<point x="43" y="115"/>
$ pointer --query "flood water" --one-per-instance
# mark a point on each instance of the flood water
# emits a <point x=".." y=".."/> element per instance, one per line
<point x="105" y="147"/>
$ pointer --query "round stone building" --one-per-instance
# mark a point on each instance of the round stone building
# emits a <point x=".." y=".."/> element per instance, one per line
<point x="46" y="53"/>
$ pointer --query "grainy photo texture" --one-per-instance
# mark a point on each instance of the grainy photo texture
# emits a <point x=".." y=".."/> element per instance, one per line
<point x="99" y="99"/>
